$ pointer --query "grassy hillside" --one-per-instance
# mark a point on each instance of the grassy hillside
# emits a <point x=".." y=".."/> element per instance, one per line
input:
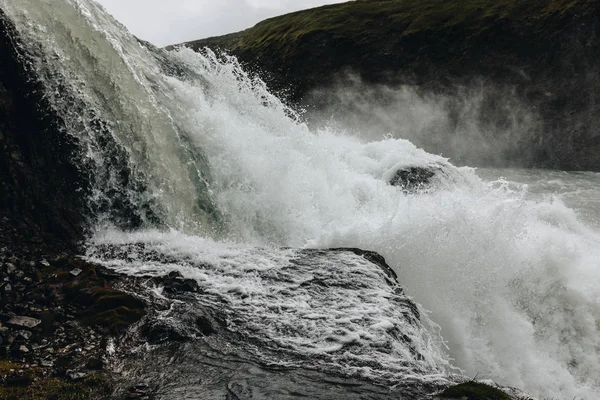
<point x="547" y="50"/>
<point x="369" y="22"/>
<point x="374" y="37"/>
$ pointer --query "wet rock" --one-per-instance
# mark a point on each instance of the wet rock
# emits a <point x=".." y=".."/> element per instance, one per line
<point x="95" y="364"/>
<point x="76" y="271"/>
<point x="204" y="326"/>
<point x="23" y="322"/>
<point x="10" y="268"/>
<point x="112" y="310"/>
<point x="76" y="375"/>
<point x="161" y="332"/>
<point x="474" y="391"/>
<point x="176" y="283"/>
<point x="413" y="178"/>
<point x="23" y="335"/>
<point x="139" y="391"/>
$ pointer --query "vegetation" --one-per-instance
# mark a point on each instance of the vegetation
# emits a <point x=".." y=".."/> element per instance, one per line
<point x="364" y="21"/>
<point x="18" y="383"/>
<point x="396" y="33"/>
<point x="543" y="52"/>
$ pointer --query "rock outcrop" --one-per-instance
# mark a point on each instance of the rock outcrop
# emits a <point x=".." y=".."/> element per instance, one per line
<point x="42" y="189"/>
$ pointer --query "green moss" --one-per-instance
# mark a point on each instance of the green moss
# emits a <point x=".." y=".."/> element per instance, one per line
<point x="42" y="388"/>
<point x="6" y="366"/>
<point x="474" y="391"/>
<point x="401" y="39"/>
<point x="372" y="21"/>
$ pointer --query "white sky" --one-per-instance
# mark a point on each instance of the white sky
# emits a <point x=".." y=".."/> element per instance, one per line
<point x="165" y="22"/>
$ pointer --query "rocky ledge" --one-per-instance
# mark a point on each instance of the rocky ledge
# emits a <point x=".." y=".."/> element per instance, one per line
<point x="73" y="329"/>
<point x="56" y="320"/>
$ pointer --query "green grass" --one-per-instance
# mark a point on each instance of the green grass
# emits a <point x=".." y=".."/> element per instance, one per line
<point x="42" y="387"/>
<point x="367" y="21"/>
<point x="305" y="49"/>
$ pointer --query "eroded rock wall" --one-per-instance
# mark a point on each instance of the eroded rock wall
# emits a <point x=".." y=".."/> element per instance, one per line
<point x="42" y="190"/>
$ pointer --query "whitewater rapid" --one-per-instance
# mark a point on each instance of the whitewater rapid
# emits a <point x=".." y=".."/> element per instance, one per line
<point x="512" y="279"/>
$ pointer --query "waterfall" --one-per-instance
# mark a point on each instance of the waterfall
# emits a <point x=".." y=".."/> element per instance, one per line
<point x="195" y="160"/>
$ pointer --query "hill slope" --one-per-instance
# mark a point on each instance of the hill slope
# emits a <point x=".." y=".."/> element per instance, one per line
<point x="545" y="49"/>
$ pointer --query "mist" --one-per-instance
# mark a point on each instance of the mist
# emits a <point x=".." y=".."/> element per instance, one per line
<point x="479" y="124"/>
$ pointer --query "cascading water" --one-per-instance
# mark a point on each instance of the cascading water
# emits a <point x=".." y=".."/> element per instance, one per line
<point x="211" y="163"/>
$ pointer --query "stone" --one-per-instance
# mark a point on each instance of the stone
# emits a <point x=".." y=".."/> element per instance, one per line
<point x="25" y="335"/>
<point x="140" y="388"/>
<point x="160" y="332"/>
<point x="95" y="364"/>
<point x="413" y="178"/>
<point x="24" y="322"/>
<point x="76" y="271"/>
<point x="76" y="375"/>
<point x="10" y="268"/>
<point x="176" y="283"/>
<point x="205" y="326"/>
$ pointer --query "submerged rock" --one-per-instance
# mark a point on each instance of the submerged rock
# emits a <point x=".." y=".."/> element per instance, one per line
<point x="425" y="178"/>
<point x="175" y="282"/>
<point x="413" y="178"/>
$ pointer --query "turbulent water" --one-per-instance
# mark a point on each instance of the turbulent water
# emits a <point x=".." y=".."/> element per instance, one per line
<point x="504" y="264"/>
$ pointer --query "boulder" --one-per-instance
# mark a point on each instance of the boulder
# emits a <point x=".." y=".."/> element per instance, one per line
<point x="415" y="178"/>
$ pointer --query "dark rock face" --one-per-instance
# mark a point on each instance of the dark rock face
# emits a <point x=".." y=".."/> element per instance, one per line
<point x="199" y="341"/>
<point x="42" y="190"/>
<point x="543" y="52"/>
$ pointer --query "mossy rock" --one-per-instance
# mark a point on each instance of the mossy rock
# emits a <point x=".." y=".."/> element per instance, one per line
<point x="100" y="304"/>
<point x="474" y="391"/>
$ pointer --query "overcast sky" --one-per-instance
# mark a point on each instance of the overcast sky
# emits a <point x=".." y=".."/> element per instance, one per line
<point x="165" y="22"/>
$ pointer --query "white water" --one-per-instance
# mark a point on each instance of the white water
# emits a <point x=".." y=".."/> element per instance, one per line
<point x="333" y="309"/>
<point x="512" y="278"/>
